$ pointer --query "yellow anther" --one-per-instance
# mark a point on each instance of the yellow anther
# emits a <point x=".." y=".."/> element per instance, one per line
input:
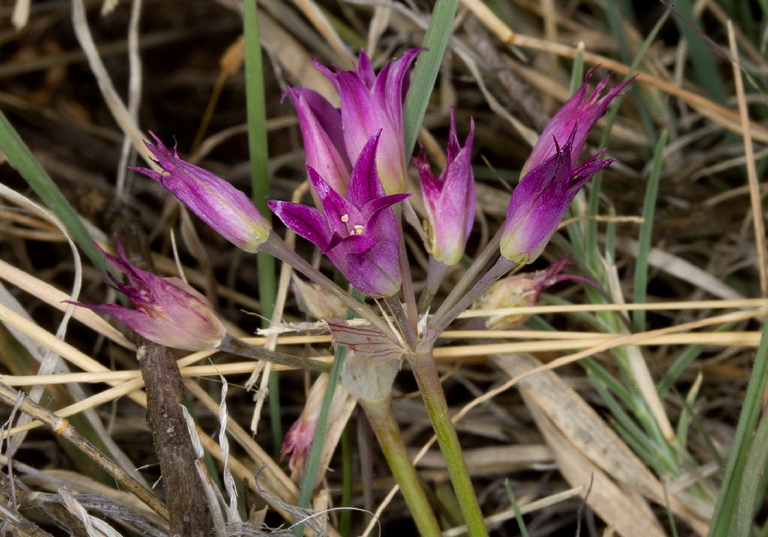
<point x="345" y="218"/>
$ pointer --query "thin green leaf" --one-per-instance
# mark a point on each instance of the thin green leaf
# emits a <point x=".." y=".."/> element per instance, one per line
<point x="259" y="153"/>
<point x="646" y="230"/>
<point x="24" y="161"/>
<point x="518" y="514"/>
<point x="748" y="487"/>
<point x="725" y="509"/>
<point x="427" y="67"/>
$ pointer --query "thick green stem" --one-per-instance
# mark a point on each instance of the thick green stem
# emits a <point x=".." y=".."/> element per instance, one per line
<point x="387" y="432"/>
<point x="425" y="371"/>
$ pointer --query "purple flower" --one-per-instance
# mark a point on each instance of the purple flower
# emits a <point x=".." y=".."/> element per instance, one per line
<point x="168" y="311"/>
<point x="323" y="137"/>
<point x="371" y="103"/>
<point x="577" y="116"/>
<point x="358" y="233"/>
<point x="449" y="200"/>
<point x="540" y="201"/>
<point x="215" y="201"/>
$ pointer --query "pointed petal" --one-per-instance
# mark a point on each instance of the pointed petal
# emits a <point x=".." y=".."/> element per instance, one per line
<point x="341" y="215"/>
<point x="323" y="136"/>
<point x="306" y="222"/>
<point x="579" y="113"/>
<point x="364" y="184"/>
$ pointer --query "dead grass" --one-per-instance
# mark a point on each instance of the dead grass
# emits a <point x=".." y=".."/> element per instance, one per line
<point x="523" y="410"/>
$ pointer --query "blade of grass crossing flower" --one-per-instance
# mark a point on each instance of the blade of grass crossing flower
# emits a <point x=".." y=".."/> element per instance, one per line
<point x="313" y="460"/>
<point x="427" y="67"/>
<point x="577" y="73"/>
<point x="726" y="507"/>
<point x="648" y="125"/>
<point x="258" y="149"/>
<point x="646" y="231"/>
<point x="610" y="236"/>
<point x="30" y="169"/>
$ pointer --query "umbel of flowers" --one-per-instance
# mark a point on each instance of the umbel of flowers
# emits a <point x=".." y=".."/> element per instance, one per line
<point x="356" y="165"/>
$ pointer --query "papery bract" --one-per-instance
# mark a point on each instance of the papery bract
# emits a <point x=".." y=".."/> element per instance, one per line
<point x="539" y="203"/>
<point x="371" y="103"/>
<point x="450" y="199"/>
<point x="372" y="363"/>
<point x="358" y="233"/>
<point x="576" y="117"/>
<point x="323" y="136"/>
<point x="316" y="300"/>
<point x="168" y="311"/>
<point x="215" y="201"/>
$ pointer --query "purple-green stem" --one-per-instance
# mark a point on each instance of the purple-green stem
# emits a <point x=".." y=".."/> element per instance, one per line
<point x="238" y="347"/>
<point x="409" y="295"/>
<point x="276" y="247"/>
<point x="435" y="275"/>
<point x="488" y="253"/>
<point x="387" y="432"/>
<point x="425" y="371"/>
<point x="446" y="315"/>
<point x="402" y="321"/>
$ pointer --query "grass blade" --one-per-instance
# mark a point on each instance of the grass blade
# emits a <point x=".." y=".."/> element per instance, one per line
<point x="30" y="169"/>
<point x="725" y="509"/>
<point x="427" y="67"/>
<point x="646" y="230"/>
<point x="258" y="150"/>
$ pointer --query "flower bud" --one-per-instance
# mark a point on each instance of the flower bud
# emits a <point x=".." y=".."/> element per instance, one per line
<point x="168" y="311"/>
<point x="215" y="201"/>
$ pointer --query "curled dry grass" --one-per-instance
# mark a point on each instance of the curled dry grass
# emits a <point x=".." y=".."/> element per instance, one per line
<point x="648" y="464"/>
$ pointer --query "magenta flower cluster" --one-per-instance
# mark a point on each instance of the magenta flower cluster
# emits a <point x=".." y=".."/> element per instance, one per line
<point x="356" y="164"/>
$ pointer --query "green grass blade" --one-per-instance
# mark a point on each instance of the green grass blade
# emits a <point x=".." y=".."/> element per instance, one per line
<point x="681" y="363"/>
<point x="24" y="161"/>
<point x="725" y="509"/>
<point x="347" y="483"/>
<point x="700" y="51"/>
<point x="646" y="230"/>
<point x="518" y="514"/>
<point x="258" y="149"/>
<point x="427" y="67"/>
<point x="749" y="486"/>
<point x="313" y="460"/>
